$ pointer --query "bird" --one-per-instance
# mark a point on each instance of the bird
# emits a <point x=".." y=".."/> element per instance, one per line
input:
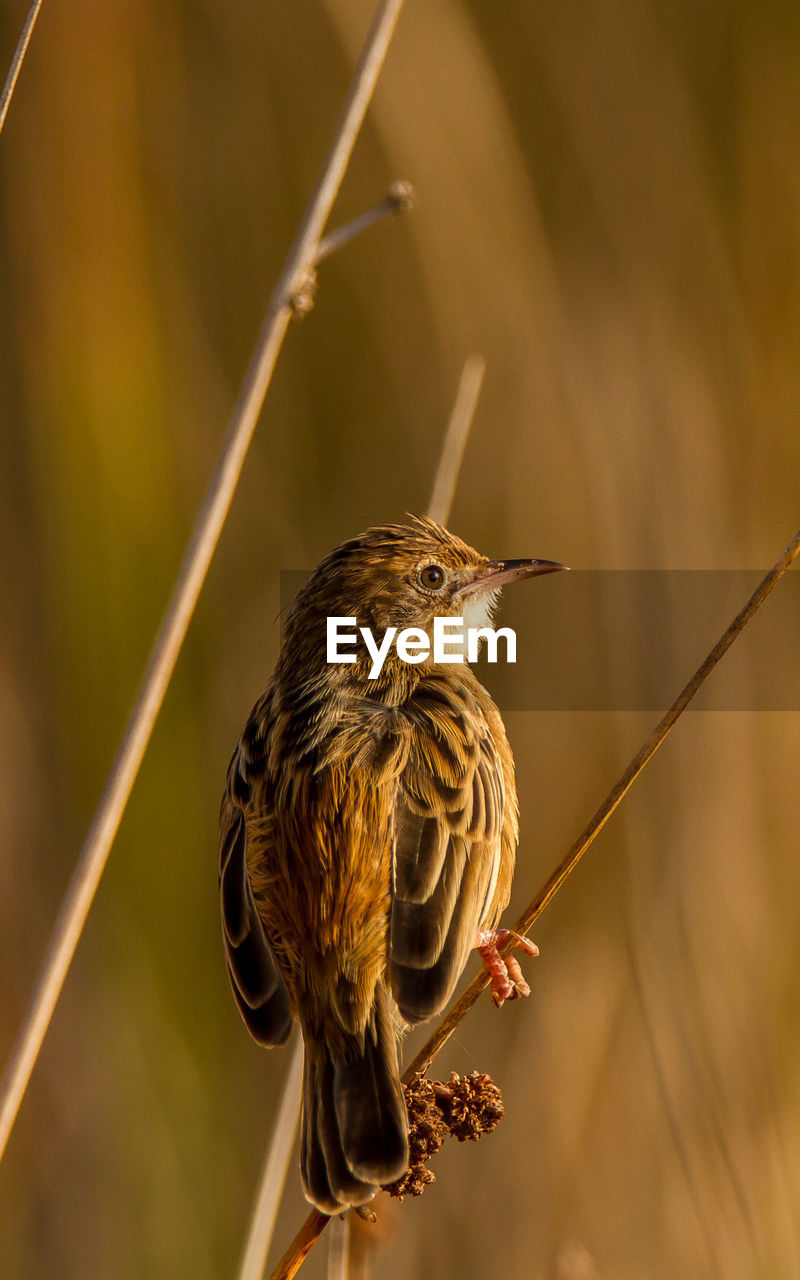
<point x="368" y="835"/>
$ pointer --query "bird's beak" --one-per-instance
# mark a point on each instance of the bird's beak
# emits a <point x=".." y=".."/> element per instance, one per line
<point x="499" y="573"/>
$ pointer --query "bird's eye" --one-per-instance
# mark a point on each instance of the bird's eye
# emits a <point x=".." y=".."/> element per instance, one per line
<point x="431" y="577"/>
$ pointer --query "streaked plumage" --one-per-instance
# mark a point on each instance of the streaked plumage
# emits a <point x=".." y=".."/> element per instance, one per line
<point x="368" y="832"/>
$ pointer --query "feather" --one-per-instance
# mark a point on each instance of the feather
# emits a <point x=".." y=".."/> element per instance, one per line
<point x="448" y="847"/>
<point x="258" y="987"/>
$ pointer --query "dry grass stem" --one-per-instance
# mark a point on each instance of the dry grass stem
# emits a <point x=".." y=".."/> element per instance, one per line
<point x="276" y="1165"/>
<point x="16" y="61"/>
<point x="399" y="199"/>
<point x="455" y="441"/>
<point x="167" y="645"/>
<point x="301" y="1246"/>
<point x="315" y="1223"/>
<point x="339" y="1248"/>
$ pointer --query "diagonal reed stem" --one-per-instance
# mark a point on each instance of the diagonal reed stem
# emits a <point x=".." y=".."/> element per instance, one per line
<point x="168" y="642"/>
<point x="16" y="62"/>
<point x="455" y="441"/>
<point x="315" y="1223"/>
<point x="276" y="1165"/>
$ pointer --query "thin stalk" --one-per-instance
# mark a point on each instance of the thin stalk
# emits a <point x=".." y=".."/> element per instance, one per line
<point x="339" y="1248"/>
<point x="16" y="62"/>
<point x="276" y="1166"/>
<point x="455" y="441"/>
<point x="399" y="199"/>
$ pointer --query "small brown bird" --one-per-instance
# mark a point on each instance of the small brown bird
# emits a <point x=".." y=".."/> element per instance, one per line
<point x="367" y="843"/>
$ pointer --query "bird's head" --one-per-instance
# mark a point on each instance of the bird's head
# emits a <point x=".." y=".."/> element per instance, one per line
<point x="405" y="576"/>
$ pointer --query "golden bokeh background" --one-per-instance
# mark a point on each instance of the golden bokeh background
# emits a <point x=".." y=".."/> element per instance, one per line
<point x="609" y="211"/>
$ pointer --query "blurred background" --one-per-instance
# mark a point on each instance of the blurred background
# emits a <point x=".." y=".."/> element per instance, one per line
<point x="609" y="211"/>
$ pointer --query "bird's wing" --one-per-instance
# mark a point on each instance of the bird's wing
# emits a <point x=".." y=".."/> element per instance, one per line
<point x="258" y="987"/>
<point x="451" y="841"/>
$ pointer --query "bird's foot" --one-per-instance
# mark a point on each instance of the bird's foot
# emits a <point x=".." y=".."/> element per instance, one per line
<point x="364" y="1212"/>
<point x="507" y="981"/>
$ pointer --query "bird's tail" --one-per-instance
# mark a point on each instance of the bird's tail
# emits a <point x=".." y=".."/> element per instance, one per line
<point x="355" y="1124"/>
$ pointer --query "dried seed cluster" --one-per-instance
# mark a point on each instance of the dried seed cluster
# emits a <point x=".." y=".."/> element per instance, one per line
<point x="466" y="1107"/>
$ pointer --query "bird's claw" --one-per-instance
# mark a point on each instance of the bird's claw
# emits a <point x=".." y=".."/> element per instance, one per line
<point x="364" y="1212"/>
<point x="505" y="974"/>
